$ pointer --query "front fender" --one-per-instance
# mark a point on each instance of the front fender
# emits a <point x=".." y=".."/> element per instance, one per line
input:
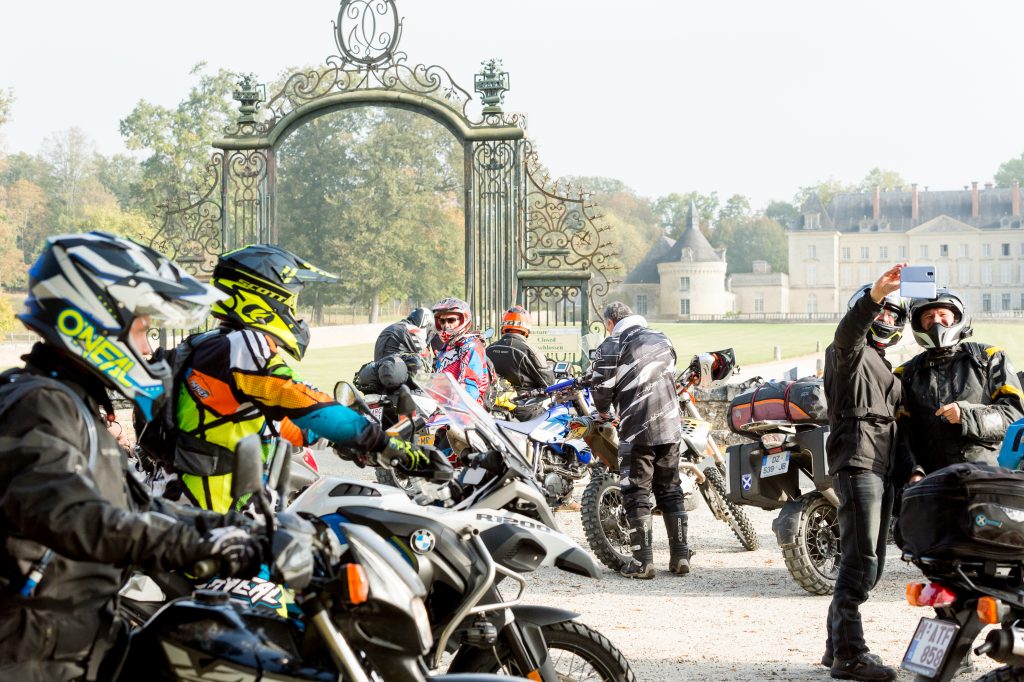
<point x="542" y="615"/>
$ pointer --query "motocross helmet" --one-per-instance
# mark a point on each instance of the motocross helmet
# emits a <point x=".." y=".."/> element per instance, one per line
<point x="939" y="336"/>
<point x="880" y="334"/>
<point x="517" y="321"/>
<point x="86" y="290"/>
<point x="422" y="318"/>
<point x="263" y="282"/>
<point x="447" y="307"/>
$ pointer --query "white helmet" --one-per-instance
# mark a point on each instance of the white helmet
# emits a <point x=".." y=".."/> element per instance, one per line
<point x="940" y="336"/>
<point x="86" y="290"/>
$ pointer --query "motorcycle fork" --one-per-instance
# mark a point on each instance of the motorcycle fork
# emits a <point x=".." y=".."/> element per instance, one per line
<point x="963" y="614"/>
<point x="526" y="646"/>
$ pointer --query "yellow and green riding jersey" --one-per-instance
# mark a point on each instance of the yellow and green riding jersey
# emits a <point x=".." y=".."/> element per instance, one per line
<point x="237" y="384"/>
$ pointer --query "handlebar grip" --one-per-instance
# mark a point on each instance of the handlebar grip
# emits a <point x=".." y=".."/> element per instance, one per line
<point x="205" y="568"/>
<point x="561" y="385"/>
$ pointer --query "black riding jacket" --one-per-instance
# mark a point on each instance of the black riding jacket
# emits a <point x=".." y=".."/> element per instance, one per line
<point x="634" y="370"/>
<point x="402" y="338"/>
<point x="981" y="380"/>
<point x="863" y="396"/>
<point x="98" y="520"/>
<point x="519" y="363"/>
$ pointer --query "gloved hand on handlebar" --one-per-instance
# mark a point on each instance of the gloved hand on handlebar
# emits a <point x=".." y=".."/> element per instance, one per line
<point x="423" y="461"/>
<point x="237" y="552"/>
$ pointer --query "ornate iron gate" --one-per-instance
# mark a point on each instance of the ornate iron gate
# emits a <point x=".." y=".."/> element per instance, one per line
<point x="514" y="222"/>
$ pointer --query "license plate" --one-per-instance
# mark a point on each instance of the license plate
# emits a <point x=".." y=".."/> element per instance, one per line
<point x="928" y="649"/>
<point x="377" y="413"/>
<point x="425" y="439"/>
<point x="773" y="465"/>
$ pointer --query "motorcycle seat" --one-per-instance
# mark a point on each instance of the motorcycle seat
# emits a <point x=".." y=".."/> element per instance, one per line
<point x="524" y="427"/>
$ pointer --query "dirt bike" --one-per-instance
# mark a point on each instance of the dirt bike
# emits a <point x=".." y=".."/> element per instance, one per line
<point x="362" y="609"/>
<point x="604" y="516"/>
<point x="767" y="474"/>
<point x="465" y="552"/>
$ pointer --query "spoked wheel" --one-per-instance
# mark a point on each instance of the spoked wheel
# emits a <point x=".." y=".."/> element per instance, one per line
<point x="1007" y="673"/>
<point x="578" y="654"/>
<point x="604" y="520"/>
<point x="393" y="478"/>
<point x="713" y="490"/>
<point x="814" y="559"/>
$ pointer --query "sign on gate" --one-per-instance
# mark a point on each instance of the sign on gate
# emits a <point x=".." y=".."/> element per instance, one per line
<point x="552" y="340"/>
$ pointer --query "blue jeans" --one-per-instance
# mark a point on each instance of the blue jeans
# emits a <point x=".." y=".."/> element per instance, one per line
<point x="865" y="508"/>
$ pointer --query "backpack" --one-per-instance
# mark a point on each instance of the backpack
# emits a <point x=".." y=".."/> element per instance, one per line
<point x="157" y="439"/>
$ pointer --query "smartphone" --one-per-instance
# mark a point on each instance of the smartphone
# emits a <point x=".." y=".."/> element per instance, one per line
<point x="917" y="281"/>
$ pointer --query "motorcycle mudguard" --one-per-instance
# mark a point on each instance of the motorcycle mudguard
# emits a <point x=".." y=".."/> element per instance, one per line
<point x="787" y="524"/>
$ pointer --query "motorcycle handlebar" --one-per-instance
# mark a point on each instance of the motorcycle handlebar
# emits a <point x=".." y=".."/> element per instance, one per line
<point x="205" y="568"/>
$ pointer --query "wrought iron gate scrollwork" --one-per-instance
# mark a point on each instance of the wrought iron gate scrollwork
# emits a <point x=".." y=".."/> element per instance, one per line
<point x="565" y="233"/>
<point x="190" y="231"/>
<point x="519" y="227"/>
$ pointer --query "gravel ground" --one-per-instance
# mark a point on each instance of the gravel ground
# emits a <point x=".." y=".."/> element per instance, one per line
<point x="738" y="616"/>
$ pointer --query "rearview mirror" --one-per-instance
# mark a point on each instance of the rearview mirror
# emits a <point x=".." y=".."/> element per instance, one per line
<point x="247" y="474"/>
<point x="488" y="333"/>
<point x="345" y="393"/>
<point x="406" y="403"/>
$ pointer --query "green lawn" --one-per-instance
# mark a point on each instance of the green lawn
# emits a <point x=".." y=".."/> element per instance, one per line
<point x="324" y="367"/>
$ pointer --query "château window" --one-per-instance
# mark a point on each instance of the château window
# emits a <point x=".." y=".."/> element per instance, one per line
<point x="684" y="306"/>
<point x="641" y="304"/>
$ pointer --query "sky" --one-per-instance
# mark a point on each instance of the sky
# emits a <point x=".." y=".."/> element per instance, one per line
<point x="734" y="96"/>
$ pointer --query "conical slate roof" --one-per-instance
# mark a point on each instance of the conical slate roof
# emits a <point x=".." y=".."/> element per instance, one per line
<point x="664" y="251"/>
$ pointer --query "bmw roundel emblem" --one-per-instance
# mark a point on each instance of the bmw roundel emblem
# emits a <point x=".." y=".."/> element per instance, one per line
<point x="422" y="541"/>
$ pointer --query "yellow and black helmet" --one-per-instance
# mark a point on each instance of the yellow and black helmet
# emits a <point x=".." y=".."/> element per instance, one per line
<point x="263" y="282"/>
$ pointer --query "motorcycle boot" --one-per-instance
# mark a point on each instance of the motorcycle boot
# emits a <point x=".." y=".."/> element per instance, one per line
<point x="679" y="552"/>
<point x="640" y="541"/>
<point x="863" y="667"/>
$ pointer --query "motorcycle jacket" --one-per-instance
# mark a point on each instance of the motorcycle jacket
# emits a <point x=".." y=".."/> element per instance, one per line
<point x="863" y="396"/>
<point x="236" y="384"/>
<point x="634" y="370"/>
<point x="981" y="380"/>
<point x="519" y="363"/>
<point x="65" y="486"/>
<point x="404" y="339"/>
<point x="465" y="359"/>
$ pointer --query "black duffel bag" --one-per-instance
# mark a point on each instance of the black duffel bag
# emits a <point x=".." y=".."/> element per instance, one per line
<point x="964" y="511"/>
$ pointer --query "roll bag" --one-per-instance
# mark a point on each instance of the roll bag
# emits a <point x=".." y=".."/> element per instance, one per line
<point x="798" y="401"/>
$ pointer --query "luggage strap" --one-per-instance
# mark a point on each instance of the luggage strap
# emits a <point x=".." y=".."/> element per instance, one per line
<point x="785" y="401"/>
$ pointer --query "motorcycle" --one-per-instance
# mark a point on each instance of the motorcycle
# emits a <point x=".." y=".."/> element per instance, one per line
<point x="604" y="516"/>
<point x="465" y="550"/>
<point x="768" y="473"/>
<point x="363" y="612"/>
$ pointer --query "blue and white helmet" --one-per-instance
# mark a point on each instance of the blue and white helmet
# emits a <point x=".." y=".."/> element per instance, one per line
<point x="86" y="290"/>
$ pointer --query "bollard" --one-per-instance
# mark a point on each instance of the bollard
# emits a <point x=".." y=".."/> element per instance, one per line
<point x="820" y="370"/>
<point x="818" y="348"/>
<point x="778" y="353"/>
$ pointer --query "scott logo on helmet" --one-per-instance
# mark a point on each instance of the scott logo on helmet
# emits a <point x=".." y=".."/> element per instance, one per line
<point x="107" y="357"/>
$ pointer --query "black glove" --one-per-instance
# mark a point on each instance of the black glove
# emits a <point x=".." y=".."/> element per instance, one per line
<point x="237" y="553"/>
<point x="423" y="461"/>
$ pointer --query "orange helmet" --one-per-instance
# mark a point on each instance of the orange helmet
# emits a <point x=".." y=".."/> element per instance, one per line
<point x="516" y="320"/>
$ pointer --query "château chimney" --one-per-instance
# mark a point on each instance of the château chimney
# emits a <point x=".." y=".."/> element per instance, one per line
<point x="974" y="199"/>
<point x="914" y="211"/>
<point x="1015" y="198"/>
<point x="876" y="205"/>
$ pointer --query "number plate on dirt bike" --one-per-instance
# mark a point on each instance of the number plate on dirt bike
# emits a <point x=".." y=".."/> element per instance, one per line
<point x="928" y="649"/>
<point x="773" y="465"/>
<point x="377" y="413"/>
<point x="425" y="439"/>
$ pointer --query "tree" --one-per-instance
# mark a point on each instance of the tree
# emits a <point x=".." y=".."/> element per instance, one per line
<point x="1009" y="171"/>
<point x="757" y="238"/>
<point x="825" y="190"/>
<point x="781" y="212"/>
<point x="6" y="103"/>
<point x="178" y="140"/>
<point x="884" y="179"/>
<point x="736" y="209"/>
<point x="70" y="157"/>
<point x="27" y="213"/>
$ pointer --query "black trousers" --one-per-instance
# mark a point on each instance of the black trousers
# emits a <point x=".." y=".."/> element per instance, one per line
<point x="651" y="468"/>
<point x="865" y="508"/>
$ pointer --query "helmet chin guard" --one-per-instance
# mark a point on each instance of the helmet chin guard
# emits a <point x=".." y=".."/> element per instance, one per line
<point x="939" y="336"/>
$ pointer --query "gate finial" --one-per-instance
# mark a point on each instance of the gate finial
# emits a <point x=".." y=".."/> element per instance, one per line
<point x="492" y="84"/>
<point x="249" y="95"/>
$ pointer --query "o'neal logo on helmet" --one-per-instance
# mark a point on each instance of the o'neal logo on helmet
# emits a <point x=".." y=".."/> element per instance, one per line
<point x="107" y="357"/>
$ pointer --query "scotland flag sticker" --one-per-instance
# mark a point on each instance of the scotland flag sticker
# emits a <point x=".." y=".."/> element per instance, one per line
<point x="422" y="541"/>
<point x="746" y="481"/>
